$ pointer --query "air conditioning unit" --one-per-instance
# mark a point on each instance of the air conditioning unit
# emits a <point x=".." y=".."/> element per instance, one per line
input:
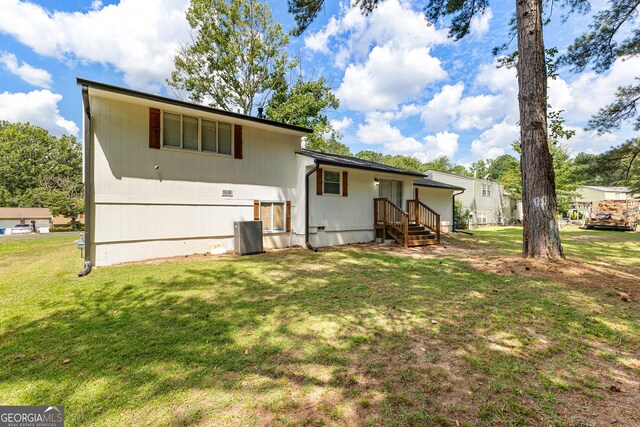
<point x="247" y="237"/>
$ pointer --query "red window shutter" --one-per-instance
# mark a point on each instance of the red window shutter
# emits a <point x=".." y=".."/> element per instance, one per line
<point x="319" y="178"/>
<point x="345" y="183"/>
<point x="288" y="204"/>
<point x="154" y="128"/>
<point x="256" y="210"/>
<point x="237" y="141"/>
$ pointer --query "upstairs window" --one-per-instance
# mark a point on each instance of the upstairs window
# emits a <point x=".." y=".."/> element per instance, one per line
<point x="486" y="190"/>
<point x="331" y="183"/>
<point x="196" y="134"/>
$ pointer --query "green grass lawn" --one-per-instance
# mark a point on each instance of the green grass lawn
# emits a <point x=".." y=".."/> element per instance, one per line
<point x="349" y="336"/>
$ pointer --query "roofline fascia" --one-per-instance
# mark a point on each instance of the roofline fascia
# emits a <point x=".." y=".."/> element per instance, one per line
<point x="178" y="103"/>
<point x="442" y="188"/>
<point x="342" y="165"/>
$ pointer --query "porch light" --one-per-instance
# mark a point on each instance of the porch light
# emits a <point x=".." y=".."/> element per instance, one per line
<point x="375" y="181"/>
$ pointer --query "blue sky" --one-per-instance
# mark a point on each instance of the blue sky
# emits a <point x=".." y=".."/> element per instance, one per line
<point x="405" y="88"/>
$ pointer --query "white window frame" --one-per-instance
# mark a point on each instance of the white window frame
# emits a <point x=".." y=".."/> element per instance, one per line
<point x="200" y="149"/>
<point x="284" y="217"/>
<point x="484" y="216"/>
<point x="324" y="180"/>
<point x="486" y="190"/>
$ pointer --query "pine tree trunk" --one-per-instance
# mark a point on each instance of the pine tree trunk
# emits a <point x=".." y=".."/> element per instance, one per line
<point x="541" y="237"/>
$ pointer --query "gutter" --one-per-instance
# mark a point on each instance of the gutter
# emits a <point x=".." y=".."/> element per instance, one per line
<point x="306" y="206"/>
<point x="88" y="184"/>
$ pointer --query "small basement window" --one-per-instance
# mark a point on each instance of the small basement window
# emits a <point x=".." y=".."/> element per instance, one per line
<point x="272" y="215"/>
<point x="331" y="182"/>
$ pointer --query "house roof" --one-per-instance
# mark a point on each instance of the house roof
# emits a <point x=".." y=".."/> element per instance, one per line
<point x="425" y="182"/>
<point x="177" y="102"/>
<point x="354" y="162"/>
<point x="615" y="189"/>
<point x="19" y="213"/>
<point x="455" y="175"/>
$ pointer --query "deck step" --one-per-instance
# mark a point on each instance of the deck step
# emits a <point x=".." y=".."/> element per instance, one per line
<point x="423" y="242"/>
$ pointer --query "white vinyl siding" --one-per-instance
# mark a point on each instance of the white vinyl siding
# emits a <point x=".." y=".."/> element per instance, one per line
<point x="179" y="208"/>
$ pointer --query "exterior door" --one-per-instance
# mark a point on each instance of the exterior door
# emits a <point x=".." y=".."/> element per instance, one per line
<point x="392" y="190"/>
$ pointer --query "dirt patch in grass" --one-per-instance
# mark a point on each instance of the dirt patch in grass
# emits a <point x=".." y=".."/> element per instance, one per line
<point x="625" y="284"/>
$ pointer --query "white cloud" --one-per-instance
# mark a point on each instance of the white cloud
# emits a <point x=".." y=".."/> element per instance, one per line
<point x="378" y="130"/>
<point x="440" y="144"/>
<point x="96" y="4"/>
<point x="449" y="108"/>
<point x="35" y="76"/>
<point x="39" y="107"/>
<point x="480" y="23"/>
<point x="386" y="55"/>
<point x="342" y="124"/>
<point x="388" y="78"/>
<point x="138" y="37"/>
<point x="496" y="140"/>
<point x="319" y="41"/>
<point x="442" y="110"/>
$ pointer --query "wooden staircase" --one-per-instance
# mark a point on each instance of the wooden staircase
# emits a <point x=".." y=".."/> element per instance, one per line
<point x="419" y="225"/>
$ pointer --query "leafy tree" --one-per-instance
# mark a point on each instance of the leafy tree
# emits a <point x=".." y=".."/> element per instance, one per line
<point x="501" y="165"/>
<point x="305" y="103"/>
<point x="541" y="236"/>
<point x="406" y="162"/>
<point x="370" y="155"/>
<point x="461" y="215"/>
<point x="40" y="170"/>
<point x="326" y="140"/>
<point x="479" y="168"/>
<point x="612" y="34"/>
<point x="563" y="166"/>
<point x="238" y="52"/>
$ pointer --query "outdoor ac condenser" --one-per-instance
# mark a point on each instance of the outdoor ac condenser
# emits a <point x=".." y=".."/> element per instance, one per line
<point x="248" y="237"/>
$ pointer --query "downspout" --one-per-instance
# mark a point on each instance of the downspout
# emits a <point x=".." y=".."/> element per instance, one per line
<point x="88" y="183"/>
<point x="306" y="206"/>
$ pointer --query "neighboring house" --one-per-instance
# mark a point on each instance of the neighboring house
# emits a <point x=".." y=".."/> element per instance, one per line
<point x="38" y="217"/>
<point x="60" y="221"/>
<point x="487" y="202"/>
<point x="439" y="197"/>
<point x="588" y="194"/>
<point x="165" y="177"/>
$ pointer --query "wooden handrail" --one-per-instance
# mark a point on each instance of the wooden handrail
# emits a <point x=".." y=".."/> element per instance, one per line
<point x="424" y="215"/>
<point x="389" y="215"/>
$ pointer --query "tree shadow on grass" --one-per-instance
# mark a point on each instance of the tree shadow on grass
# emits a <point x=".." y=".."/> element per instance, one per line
<point x="291" y="337"/>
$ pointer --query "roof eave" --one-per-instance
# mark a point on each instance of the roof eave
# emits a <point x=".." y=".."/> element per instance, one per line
<point x="176" y="102"/>
<point x="361" y="167"/>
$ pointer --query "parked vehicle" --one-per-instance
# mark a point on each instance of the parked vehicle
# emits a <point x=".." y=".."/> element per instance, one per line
<point x="22" y="229"/>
